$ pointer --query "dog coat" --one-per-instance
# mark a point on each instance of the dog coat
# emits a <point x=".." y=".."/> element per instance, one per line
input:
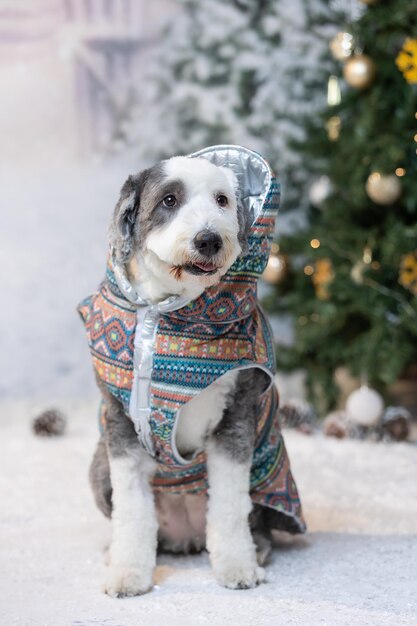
<point x="156" y="357"/>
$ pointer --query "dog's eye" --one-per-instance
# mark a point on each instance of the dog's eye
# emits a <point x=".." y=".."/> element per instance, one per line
<point x="169" y="201"/>
<point x="222" y="200"/>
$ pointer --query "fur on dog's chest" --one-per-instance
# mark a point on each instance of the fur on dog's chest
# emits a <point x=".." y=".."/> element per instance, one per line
<point x="199" y="417"/>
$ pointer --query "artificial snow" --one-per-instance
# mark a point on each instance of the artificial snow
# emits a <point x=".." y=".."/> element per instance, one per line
<point x="356" y="565"/>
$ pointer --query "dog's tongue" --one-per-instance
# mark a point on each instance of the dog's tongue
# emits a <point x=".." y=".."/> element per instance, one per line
<point x="205" y="267"/>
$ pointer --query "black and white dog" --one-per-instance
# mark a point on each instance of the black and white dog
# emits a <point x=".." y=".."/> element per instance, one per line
<point x="177" y="228"/>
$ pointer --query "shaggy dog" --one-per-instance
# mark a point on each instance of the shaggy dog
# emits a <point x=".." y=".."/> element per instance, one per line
<point x="177" y="229"/>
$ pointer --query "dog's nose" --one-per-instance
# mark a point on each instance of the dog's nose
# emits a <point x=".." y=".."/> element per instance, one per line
<point x="208" y="243"/>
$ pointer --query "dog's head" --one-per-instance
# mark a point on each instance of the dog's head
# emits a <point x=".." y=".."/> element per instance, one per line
<point x="180" y="222"/>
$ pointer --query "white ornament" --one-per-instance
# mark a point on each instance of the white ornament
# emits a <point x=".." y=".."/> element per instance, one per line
<point x="320" y="191"/>
<point x="383" y="188"/>
<point x="341" y="46"/>
<point x="364" y="406"/>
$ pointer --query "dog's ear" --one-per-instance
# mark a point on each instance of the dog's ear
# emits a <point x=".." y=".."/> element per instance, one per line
<point x="124" y="218"/>
<point x="243" y="219"/>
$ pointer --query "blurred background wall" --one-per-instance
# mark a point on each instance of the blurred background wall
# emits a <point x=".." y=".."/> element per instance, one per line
<point x="67" y="68"/>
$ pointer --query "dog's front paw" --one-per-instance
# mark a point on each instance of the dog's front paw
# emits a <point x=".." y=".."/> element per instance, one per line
<point x="123" y="581"/>
<point x="239" y="575"/>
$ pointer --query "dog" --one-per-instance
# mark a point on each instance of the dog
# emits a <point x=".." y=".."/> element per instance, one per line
<point x="191" y="454"/>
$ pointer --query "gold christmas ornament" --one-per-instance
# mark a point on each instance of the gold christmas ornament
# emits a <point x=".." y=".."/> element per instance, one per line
<point x="341" y="46"/>
<point x="367" y="255"/>
<point x="369" y="2"/>
<point x="406" y="60"/>
<point x="356" y="273"/>
<point x="383" y="189"/>
<point x="322" y="277"/>
<point x="277" y="267"/>
<point x="333" y="126"/>
<point x="408" y="272"/>
<point x="359" y="71"/>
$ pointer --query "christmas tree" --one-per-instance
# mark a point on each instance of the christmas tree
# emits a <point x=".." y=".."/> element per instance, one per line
<point x="352" y="282"/>
<point x="239" y="72"/>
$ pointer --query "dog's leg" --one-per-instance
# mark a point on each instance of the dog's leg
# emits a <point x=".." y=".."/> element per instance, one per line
<point x="134" y="523"/>
<point x="229" y="457"/>
<point x="100" y="482"/>
<point x="229" y="540"/>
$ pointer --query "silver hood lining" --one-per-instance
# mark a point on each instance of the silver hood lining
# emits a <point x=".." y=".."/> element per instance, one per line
<point x="252" y="171"/>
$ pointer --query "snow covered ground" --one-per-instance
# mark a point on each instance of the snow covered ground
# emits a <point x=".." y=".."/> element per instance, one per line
<point x="357" y="564"/>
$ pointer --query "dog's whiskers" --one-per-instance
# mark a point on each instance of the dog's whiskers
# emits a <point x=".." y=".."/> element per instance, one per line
<point x="176" y="271"/>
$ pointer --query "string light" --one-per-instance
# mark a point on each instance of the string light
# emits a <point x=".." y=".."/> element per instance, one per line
<point x="400" y="171"/>
<point x="308" y="270"/>
<point x="315" y="243"/>
<point x="367" y="255"/>
<point x="302" y="320"/>
<point x="333" y="91"/>
<point x="415" y="137"/>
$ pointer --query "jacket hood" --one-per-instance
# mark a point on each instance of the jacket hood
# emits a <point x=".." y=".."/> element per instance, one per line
<point x="259" y="195"/>
<point x="253" y="173"/>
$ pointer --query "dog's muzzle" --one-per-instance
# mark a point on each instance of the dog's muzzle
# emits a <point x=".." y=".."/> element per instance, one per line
<point x="207" y="243"/>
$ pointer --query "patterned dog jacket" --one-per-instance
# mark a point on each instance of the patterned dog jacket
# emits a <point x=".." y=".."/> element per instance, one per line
<point x="156" y="357"/>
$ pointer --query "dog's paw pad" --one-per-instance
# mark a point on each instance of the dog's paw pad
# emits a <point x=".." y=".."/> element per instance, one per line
<point x="123" y="582"/>
<point x="239" y="576"/>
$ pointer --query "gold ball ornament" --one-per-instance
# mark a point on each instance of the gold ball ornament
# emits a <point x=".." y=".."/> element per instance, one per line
<point x="277" y="267"/>
<point x="383" y="189"/>
<point x="369" y="2"/>
<point x="359" y="71"/>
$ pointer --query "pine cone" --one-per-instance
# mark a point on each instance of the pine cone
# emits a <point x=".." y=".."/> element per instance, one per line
<point x="298" y="414"/>
<point x="336" y="425"/>
<point x="50" y="423"/>
<point x="395" y="423"/>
